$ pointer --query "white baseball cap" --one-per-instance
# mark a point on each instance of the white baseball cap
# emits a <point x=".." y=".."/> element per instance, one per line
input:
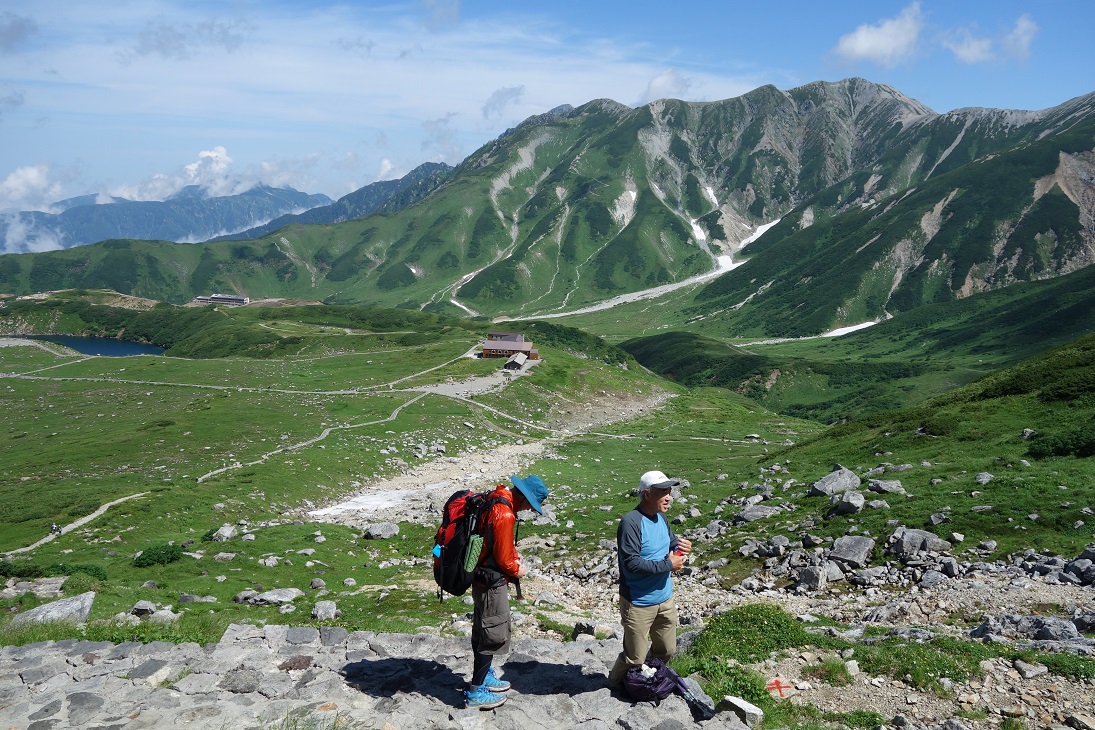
<point x="656" y="480"/>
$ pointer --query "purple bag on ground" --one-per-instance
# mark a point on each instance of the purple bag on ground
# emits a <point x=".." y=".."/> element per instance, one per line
<point x="653" y="688"/>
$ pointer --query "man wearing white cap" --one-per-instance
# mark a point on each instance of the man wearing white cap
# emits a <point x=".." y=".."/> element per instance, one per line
<point x="648" y="553"/>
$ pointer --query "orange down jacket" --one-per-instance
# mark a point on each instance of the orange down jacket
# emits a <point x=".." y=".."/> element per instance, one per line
<point x="499" y="522"/>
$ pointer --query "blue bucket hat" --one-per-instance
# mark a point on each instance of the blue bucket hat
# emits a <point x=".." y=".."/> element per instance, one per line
<point x="533" y="488"/>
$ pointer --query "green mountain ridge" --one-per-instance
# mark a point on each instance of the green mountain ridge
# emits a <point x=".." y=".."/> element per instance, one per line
<point x="883" y="206"/>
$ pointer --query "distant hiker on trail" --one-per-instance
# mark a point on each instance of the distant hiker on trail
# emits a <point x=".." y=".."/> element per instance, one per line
<point x="648" y="553"/>
<point x="54" y="529"/>
<point x="499" y="564"/>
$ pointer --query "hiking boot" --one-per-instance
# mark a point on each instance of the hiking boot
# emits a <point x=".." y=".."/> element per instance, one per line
<point x="482" y="698"/>
<point x="493" y="683"/>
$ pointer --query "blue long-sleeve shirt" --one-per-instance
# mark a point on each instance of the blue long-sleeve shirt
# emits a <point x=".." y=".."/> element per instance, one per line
<point x="643" y="544"/>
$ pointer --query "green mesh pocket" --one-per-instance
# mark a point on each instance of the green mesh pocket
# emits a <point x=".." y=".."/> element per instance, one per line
<point x="471" y="557"/>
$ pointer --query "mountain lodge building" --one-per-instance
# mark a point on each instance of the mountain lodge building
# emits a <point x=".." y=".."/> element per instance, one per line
<point x="508" y="344"/>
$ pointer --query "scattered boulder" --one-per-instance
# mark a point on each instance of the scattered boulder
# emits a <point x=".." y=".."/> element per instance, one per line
<point x="846" y="503"/>
<point x="276" y="597"/>
<point x="325" y="611"/>
<point x="381" y="531"/>
<point x="852" y="550"/>
<point x="840" y="479"/>
<point x="885" y="486"/>
<point x="905" y="543"/>
<point x="225" y="533"/>
<point x="73" y="610"/>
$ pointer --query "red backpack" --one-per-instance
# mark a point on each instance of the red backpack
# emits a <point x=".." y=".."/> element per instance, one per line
<point x="459" y="541"/>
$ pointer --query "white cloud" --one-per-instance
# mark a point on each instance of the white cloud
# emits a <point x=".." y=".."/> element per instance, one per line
<point x="22" y="236"/>
<point x="887" y="43"/>
<point x="28" y="188"/>
<point x="966" y="47"/>
<point x="1017" y="42"/>
<point x="500" y="99"/>
<point x="669" y="84"/>
<point x="386" y="167"/>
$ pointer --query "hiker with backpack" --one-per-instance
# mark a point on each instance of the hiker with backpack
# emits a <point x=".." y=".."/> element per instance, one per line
<point x="476" y="546"/>
<point x="648" y="553"/>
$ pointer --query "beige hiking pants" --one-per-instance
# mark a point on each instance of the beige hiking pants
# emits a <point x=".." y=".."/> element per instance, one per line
<point x="646" y="628"/>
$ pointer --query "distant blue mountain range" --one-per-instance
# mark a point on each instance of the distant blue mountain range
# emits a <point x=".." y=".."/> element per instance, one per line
<point x="191" y="216"/>
<point x="188" y="216"/>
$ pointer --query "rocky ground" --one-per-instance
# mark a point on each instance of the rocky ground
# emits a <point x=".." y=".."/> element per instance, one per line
<point x="1042" y="700"/>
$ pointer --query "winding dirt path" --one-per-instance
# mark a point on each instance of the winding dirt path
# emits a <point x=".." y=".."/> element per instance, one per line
<point x="77" y="523"/>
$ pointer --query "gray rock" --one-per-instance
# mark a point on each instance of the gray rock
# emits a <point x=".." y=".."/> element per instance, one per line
<point x="241" y="681"/>
<point x="852" y="550"/>
<point x="747" y="712"/>
<point x="325" y="611"/>
<point x="840" y="479"/>
<point x="813" y="578"/>
<point x="984" y="477"/>
<point x="931" y="579"/>
<point x="225" y="533"/>
<point x="1029" y="671"/>
<point x="143" y="608"/>
<point x="885" y="486"/>
<point x="382" y="531"/>
<point x="82" y="707"/>
<point x="755" y="512"/>
<point x="846" y="503"/>
<point x="905" y="543"/>
<point x="68" y="610"/>
<point x="277" y="596"/>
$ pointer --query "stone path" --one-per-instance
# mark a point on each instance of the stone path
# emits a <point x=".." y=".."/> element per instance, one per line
<point x="256" y="677"/>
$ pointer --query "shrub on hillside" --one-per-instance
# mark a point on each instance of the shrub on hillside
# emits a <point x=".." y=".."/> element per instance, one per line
<point x="1078" y="442"/>
<point x="160" y="555"/>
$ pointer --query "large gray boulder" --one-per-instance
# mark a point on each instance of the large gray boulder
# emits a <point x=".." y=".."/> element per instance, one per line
<point x="840" y="479"/>
<point x="813" y="578"/>
<point x="225" y="533"/>
<point x="381" y="531"/>
<point x="276" y="597"/>
<point x="755" y="512"/>
<point x="73" y="610"/>
<point x="905" y="543"/>
<point x="885" y="486"/>
<point x="325" y="611"/>
<point x="853" y="550"/>
<point x="846" y="503"/>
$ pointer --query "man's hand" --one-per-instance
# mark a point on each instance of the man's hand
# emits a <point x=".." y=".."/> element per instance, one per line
<point x="522" y="571"/>
<point x="677" y="560"/>
<point x="684" y="546"/>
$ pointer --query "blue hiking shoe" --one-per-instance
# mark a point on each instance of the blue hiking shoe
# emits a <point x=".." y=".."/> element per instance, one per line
<point x="493" y="683"/>
<point x="482" y="698"/>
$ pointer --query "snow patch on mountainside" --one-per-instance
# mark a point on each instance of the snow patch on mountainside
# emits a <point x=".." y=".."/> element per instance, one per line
<point x="623" y="208"/>
<point x="526" y="156"/>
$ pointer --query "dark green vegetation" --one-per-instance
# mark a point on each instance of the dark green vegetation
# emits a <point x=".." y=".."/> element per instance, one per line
<point x="898" y="363"/>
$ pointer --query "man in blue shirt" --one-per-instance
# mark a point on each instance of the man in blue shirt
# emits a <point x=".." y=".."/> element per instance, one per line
<point x="648" y="553"/>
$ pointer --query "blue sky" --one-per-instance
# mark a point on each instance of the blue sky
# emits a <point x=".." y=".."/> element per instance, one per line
<point x="138" y="98"/>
